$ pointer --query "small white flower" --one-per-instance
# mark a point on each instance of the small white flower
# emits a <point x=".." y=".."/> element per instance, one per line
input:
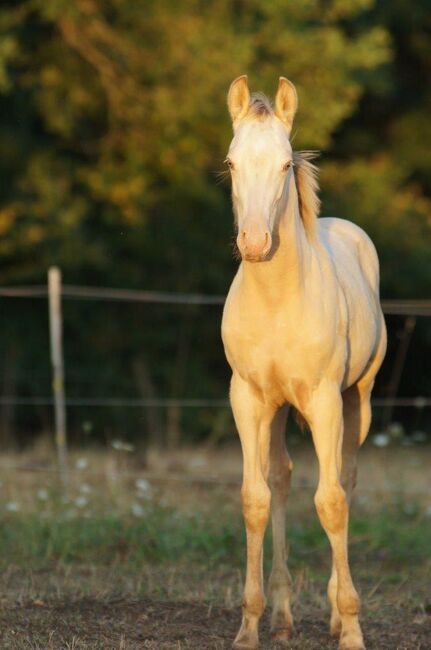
<point x="119" y="445"/>
<point x="12" y="506"/>
<point x="145" y="489"/>
<point x="42" y="494"/>
<point x="81" y="502"/>
<point x="396" y="430"/>
<point x="82" y="463"/>
<point x="419" y="436"/>
<point x="85" y="488"/>
<point x="137" y="510"/>
<point x="381" y="440"/>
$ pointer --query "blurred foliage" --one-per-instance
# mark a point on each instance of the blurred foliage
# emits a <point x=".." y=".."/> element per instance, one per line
<point x="113" y="124"/>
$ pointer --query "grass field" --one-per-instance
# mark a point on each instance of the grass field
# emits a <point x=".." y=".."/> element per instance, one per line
<point x="154" y="558"/>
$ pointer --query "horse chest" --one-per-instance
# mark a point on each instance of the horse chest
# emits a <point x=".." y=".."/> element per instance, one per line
<point x="269" y="357"/>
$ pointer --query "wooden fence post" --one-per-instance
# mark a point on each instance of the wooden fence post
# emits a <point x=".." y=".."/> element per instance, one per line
<point x="55" y="328"/>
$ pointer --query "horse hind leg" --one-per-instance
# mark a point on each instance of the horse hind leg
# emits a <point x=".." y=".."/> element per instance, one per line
<point x="279" y="585"/>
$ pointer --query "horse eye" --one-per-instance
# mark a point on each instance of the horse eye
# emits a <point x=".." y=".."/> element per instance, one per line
<point x="287" y="165"/>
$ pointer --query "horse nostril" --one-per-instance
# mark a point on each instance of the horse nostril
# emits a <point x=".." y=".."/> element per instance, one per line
<point x="268" y="242"/>
<point x="241" y="241"/>
<point x="253" y="242"/>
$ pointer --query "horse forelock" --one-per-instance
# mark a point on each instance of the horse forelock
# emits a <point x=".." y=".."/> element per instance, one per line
<point x="260" y="106"/>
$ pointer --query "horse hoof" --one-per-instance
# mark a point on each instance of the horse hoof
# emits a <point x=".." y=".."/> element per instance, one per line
<point x="246" y="642"/>
<point x="281" y="634"/>
<point x="243" y="645"/>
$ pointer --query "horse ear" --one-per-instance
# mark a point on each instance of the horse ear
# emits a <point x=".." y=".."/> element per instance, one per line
<point x="286" y="102"/>
<point x="238" y="98"/>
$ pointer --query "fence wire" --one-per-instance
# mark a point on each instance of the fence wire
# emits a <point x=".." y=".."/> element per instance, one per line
<point x="75" y="292"/>
<point x="416" y="402"/>
<point x="390" y="307"/>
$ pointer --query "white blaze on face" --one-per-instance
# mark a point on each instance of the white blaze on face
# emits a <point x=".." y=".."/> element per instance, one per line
<point x="259" y="158"/>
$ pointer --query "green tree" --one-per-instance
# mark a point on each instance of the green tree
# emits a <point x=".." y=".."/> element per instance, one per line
<point x="119" y="108"/>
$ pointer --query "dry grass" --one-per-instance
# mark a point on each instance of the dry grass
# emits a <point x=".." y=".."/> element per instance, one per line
<point x="124" y="563"/>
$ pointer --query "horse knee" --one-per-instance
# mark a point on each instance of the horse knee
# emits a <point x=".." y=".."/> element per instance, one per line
<point x="331" y="506"/>
<point x="256" y="501"/>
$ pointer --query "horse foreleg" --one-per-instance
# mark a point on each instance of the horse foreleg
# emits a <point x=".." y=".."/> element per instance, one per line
<point x="279" y="584"/>
<point x="253" y="421"/>
<point x="332" y="505"/>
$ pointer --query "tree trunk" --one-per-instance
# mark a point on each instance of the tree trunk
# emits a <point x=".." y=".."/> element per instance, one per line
<point x="7" y="412"/>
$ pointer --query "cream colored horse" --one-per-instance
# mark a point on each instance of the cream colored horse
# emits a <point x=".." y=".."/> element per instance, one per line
<point x="302" y="325"/>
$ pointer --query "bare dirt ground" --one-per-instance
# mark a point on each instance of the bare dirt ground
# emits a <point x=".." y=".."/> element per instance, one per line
<point x="132" y="624"/>
<point x="94" y="609"/>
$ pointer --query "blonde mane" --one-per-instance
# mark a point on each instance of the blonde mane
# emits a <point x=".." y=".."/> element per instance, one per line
<point x="307" y="186"/>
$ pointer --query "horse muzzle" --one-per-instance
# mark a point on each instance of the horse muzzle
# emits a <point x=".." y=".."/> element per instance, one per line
<point x="254" y="241"/>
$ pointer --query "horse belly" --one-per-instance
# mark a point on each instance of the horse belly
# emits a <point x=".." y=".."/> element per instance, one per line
<point x="363" y="338"/>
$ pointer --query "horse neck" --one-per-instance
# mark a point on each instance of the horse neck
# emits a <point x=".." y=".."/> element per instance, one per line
<point x="284" y="272"/>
